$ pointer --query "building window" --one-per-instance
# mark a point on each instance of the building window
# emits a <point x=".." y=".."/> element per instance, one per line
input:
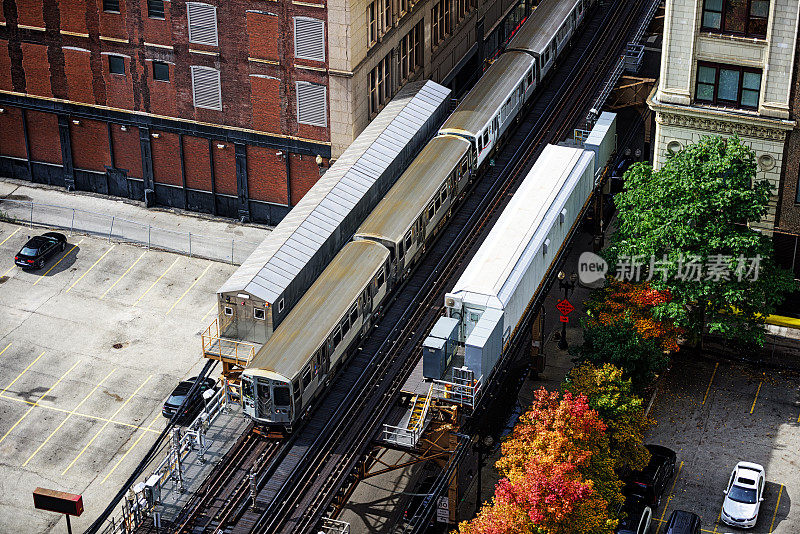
<point x="379" y="19"/>
<point x="155" y="9"/>
<point x="160" y="71"/>
<point x="728" y="85"/>
<point x="309" y="39"/>
<point x="380" y="86"/>
<point x="411" y="51"/>
<point x="372" y="22"/>
<point x="404" y="7"/>
<point x="111" y="5"/>
<point x="311" y="104"/>
<point x="442" y="21"/>
<point x="386" y="14"/>
<point x="116" y="65"/>
<point x="206" y="88"/>
<point x="202" y="23"/>
<point x="738" y="17"/>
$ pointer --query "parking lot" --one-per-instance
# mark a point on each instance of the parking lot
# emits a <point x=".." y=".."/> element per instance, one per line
<point x="715" y="414"/>
<point x="90" y="346"/>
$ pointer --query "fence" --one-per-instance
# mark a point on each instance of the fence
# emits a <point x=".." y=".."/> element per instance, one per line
<point x="76" y="220"/>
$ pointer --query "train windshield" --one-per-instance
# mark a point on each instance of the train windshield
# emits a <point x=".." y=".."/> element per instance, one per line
<point x="281" y="395"/>
<point x="247" y="389"/>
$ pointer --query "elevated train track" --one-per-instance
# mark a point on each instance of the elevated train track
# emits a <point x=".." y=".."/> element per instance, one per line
<point x="301" y="478"/>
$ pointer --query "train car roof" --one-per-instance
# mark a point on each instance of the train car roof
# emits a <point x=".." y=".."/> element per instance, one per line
<point x="499" y="263"/>
<point x="313" y="319"/>
<point x="280" y="257"/>
<point x="413" y="191"/>
<point x="488" y="95"/>
<point x="542" y="24"/>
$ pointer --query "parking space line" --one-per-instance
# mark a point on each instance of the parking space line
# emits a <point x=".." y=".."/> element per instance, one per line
<point x="131" y="448"/>
<point x="5" y="349"/>
<point x="90" y="268"/>
<point x="123" y="275"/>
<point x="8" y="270"/>
<point x="3" y="242"/>
<point x="209" y="312"/>
<point x="80" y="414"/>
<point x="157" y="280"/>
<point x="671" y="491"/>
<point x="70" y="414"/>
<point x="710" y="382"/>
<point x="105" y="425"/>
<point x="22" y="373"/>
<point x="189" y="288"/>
<point x="775" y="513"/>
<point x="660" y="521"/>
<point x="59" y="261"/>
<point x="35" y="404"/>
<point x="753" y="407"/>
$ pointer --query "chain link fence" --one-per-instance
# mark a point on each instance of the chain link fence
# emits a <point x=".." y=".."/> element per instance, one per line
<point x="232" y="250"/>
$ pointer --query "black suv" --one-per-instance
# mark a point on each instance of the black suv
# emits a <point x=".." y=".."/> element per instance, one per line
<point x="649" y="483"/>
<point x="193" y="405"/>
<point x="635" y="516"/>
<point x="681" y="522"/>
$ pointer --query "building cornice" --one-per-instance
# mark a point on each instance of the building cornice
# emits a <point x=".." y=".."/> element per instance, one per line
<point x="720" y="121"/>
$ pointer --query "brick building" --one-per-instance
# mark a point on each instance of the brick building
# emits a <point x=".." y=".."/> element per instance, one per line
<point x="232" y="108"/>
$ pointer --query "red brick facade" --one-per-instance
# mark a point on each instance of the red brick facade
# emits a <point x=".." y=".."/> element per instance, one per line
<point x="55" y="70"/>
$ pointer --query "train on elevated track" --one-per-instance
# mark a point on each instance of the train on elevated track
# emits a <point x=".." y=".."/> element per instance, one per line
<point x="315" y="337"/>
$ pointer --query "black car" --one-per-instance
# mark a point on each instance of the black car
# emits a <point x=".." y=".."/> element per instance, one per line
<point x="634" y="516"/>
<point x="649" y="483"/>
<point x="682" y="522"/>
<point x="39" y="249"/>
<point x="421" y="496"/>
<point x="195" y="403"/>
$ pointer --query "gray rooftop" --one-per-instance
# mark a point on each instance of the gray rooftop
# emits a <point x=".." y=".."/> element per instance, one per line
<point x="281" y="256"/>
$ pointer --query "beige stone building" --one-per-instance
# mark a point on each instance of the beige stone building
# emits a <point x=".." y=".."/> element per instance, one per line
<point x="727" y="68"/>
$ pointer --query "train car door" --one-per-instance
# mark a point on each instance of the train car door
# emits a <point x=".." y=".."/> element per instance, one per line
<point x="264" y="399"/>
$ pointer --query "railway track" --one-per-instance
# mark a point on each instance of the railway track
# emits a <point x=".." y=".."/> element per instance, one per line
<point x="296" y="482"/>
<point x="227" y="488"/>
<point x="299" y="491"/>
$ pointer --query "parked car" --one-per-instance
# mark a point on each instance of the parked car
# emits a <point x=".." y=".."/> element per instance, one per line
<point x="744" y="495"/>
<point x="635" y="516"/>
<point x="420" y="497"/>
<point x="35" y="253"/>
<point x="650" y="482"/>
<point x="195" y="403"/>
<point x="683" y="522"/>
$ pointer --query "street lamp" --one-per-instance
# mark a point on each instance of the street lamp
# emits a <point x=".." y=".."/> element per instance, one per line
<point x="567" y="286"/>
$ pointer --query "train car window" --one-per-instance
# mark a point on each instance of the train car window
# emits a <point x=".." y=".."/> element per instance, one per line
<point x="408" y="241"/>
<point x="259" y="314"/>
<point x="381" y="280"/>
<point x="431" y="211"/>
<point x="337" y="338"/>
<point x="306" y="377"/>
<point x="400" y="251"/>
<point x="464" y="167"/>
<point x="317" y="360"/>
<point x="530" y="77"/>
<point x="228" y="311"/>
<point x="486" y="137"/>
<point x="354" y="311"/>
<point x="281" y="394"/>
<point x="444" y="195"/>
<point x="345" y="326"/>
<point x="437" y="203"/>
<point x="280" y="306"/>
<point x="296" y="389"/>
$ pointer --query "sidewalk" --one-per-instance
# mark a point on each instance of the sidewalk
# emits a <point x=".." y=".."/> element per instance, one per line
<point x="127" y="220"/>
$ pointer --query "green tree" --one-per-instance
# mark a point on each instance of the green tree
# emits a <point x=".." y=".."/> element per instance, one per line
<point x="695" y="211"/>
<point x="612" y="397"/>
<point x="620" y="344"/>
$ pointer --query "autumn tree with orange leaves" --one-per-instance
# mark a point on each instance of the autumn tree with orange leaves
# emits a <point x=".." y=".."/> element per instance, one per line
<point x="558" y="473"/>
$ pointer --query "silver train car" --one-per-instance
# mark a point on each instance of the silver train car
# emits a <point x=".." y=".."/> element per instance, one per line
<point x="316" y="336"/>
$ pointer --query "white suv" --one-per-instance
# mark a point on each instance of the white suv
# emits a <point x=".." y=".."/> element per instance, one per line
<point x="744" y="495"/>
